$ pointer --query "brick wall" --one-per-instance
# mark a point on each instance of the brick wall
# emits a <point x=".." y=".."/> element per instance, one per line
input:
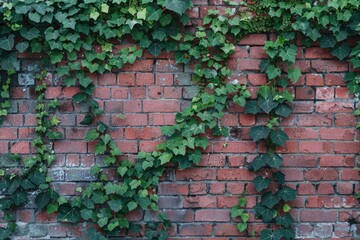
<point x="320" y="159"/>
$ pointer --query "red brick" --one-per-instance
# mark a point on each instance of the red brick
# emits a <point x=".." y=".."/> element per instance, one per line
<point x="70" y="147"/>
<point x="107" y="79"/>
<point x="180" y="215"/>
<point x="337" y="133"/>
<point x="200" y="202"/>
<point x="350" y="174"/>
<point x="216" y="215"/>
<point x="130" y="120"/>
<point x="324" y="93"/>
<point x="253" y="39"/>
<point x="173" y="189"/>
<point x="227" y="229"/>
<point x="316" y="52"/>
<point x="140" y="66"/>
<point x="306" y="189"/>
<point x="257" y="79"/>
<point x="144" y="79"/>
<point x="314" y="80"/>
<point x="102" y="93"/>
<point x="162" y="79"/>
<point x="126" y="79"/>
<point x="217" y="188"/>
<point x="195" y="229"/>
<point x="334" y="107"/>
<point x="161" y="106"/>
<point x="8" y="133"/>
<point x="161" y="119"/>
<point x="325" y="174"/>
<point x="343" y="93"/>
<point x="198" y="189"/>
<point x="137" y="92"/>
<point x="345" y="188"/>
<point x="248" y="64"/>
<point x="325" y="188"/>
<point x="337" y="161"/>
<point x="314" y="120"/>
<point x="196" y="174"/>
<point x="247" y="120"/>
<point x="235" y="147"/>
<point x="213" y="160"/>
<point x="119" y="93"/>
<point x="301" y="133"/>
<point x="20" y="147"/>
<point x="230" y="120"/>
<point x="318" y="216"/>
<point x="304" y="93"/>
<point x="346" y="147"/>
<point x="334" y="79"/>
<point x="168" y="66"/>
<point x="329" y="66"/>
<point x="235" y="174"/>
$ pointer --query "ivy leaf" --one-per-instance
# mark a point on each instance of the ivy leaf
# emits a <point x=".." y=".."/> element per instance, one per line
<point x="273" y="160"/>
<point x="178" y="6"/>
<point x="7" y="43"/>
<point x="132" y="205"/>
<point x="257" y="163"/>
<point x="165" y="158"/>
<point x="85" y="81"/>
<point x="327" y="41"/>
<point x="267" y="105"/>
<point x="19" y="198"/>
<point x="268" y="234"/>
<point x="6" y="203"/>
<point x="30" y="34"/>
<point x="38" y="177"/>
<point x="100" y="148"/>
<point x="42" y="199"/>
<point x="195" y="156"/>
<point x="259" y="132"/>
<point x="5" y="233"/>
<point x="289" y="53"/>
<point x="294" y="74"/>
<point x="236" y="212"/>
<point x="91" y="135"/>
<point x="273" y="72"/>
<point x="278" y="136"/>
<point x="342" y="51"/>
<point x="86" y="214"/>
<point x="242" y="226"/>
<point x="287" y="194"/>
<point x="87" y="120"/>
<point x="266" y="214"/>
<point x="283" y="110"/>
<point x="144" y="202"/>
<point x="313" y="34"/>
<point x="115" y="205"/>
<point x="286" y="220"/>
<point x="287" y="233"/>
<point x="27" y="184"/>
<point x="252" y="107"/>
<point x="155" y="48"/>
<point x="22" y="46"/>
<point x="264" y="91"/>
<point x="202" y="142"/>
<point x="269" y="200"/>
<point x="279" y="177"/>
<point x="69" y="214"/>
<point x="261" y="183"/>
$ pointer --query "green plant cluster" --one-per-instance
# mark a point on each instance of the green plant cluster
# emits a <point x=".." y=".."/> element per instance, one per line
<point x="31" y="174"/>
<point x="5" y="103"/>
<point x="88" y="36"/>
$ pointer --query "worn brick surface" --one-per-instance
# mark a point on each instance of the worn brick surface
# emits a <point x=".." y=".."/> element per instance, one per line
<point x="320" y="159"/>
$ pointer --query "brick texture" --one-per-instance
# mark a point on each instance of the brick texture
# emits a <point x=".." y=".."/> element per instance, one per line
<point x="320" y="159"/>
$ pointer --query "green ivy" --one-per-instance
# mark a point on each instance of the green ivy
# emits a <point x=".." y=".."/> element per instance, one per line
<point x="62" y="29"/>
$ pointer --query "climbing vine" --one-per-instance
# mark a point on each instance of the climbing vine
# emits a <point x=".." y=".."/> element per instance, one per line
<point x="89" y="36"/>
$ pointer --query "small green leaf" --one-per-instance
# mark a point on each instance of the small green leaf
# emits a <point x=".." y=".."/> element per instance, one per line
<point x="278" y="136"/>
<point x="261" y="183"/>
<point x="92" y="135"/>
<point x="268" y="234"/>
<point x="242" y="226"/>
<point x="115" y="205"/>
<point x="273" y="72"/>
<point x="287" y="194"/>
<point x="294" y="74"/>
<point x="269" y="200"/>
<point x="132" y="205"/>
<point x="259" y="132"/>
<point x="178" y="6"/>
<point x="42" y="199"/>
<point x="342" y="51"/>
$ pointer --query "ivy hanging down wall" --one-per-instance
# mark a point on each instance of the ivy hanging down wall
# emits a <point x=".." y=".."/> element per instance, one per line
<point x="83" y="44"/>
